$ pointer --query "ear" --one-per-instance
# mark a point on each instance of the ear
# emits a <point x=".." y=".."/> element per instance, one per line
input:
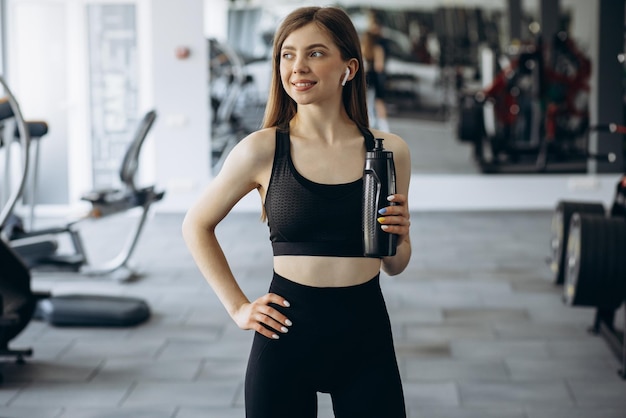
<point x="351" y="70"/>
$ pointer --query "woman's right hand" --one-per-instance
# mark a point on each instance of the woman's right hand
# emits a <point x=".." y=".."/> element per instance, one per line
<point x="258" y="315"/>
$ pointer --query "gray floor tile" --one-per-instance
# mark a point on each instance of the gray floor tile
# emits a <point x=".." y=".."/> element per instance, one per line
<point x="58" y="370"/>
<point x="180" y="394"/>
<point x="88" y="348"/>
<point x="595" y="348"/>
<point x="485" y="315"/>
<point x="72" y="394"/>
<point x="466" y="412"/>
<point x="444" y="370"/>
<point x="408" y="350"/>
<point x="498" y="349"/>
<point x="10" y="390"/>
<point x="559" y="312"/>
<point x="419" y="394"/>
<point x="43" y="350"/>
<point x="449" y="332"/>
<point x="199" y="350"/>
<point x="558" y="368"/>
<point x="610" y="391"/>
<point x="194" y="412"/>
<point x="118" y="413"/>
<point x="29" y="412"/>
<point x="551" y="393"/>
<point x="425" y="296"/>
<point x="414" y="315"/>
<point x="576" y="412"/>
<point x="545" y="331"/>
<point x="207" y="333"/>
<point x="141" y="370"/>
<point x="213" y="369"/>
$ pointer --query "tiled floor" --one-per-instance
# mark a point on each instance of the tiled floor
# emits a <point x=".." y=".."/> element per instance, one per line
<point x="480" y="331"/>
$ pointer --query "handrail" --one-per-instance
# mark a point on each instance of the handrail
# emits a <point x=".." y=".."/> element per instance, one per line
<point x="25" y="142"/>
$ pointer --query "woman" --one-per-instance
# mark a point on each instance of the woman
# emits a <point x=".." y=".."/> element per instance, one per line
<point x="375" y="55"/>
<point x="323" y="325"/>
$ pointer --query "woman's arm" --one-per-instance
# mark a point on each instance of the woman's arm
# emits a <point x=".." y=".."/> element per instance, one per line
<point x="242" y="172"/>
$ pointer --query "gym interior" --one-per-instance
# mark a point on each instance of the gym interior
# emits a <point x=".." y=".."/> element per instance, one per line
<point x="114" y="115"/>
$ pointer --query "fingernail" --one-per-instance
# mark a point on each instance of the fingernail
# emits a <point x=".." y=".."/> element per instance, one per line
<point x="382" y="211"/>
<point x="274" y="336"/>
<point x="288" y="322"/>
<point x="284" y="329"/>
<point x="390" y="197"/>
<point x="287" y="304"/>
<point x="384" y="227"/>
<point x="381" y="219"/>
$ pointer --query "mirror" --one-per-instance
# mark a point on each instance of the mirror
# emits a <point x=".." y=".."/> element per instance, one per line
<point x="466" y="98"/>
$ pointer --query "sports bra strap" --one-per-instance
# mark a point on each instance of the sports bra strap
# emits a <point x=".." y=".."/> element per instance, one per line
<point x="282" y="142"/>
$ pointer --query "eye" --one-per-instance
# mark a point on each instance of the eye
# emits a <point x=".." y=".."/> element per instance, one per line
<point x="287" y="55"/>
<point x="317" y="54"/>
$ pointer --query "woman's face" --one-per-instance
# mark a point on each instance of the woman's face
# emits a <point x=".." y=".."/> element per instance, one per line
<point x="311" y="66"/>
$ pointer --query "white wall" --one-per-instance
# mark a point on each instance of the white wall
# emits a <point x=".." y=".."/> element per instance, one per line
<point x="37" y="67"/>
<point x="179" y="92"/>
<point x="48" y="71"/>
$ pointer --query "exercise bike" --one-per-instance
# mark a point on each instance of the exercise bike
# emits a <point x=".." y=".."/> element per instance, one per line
<point x="19" y="304"/>
<point x="17" y="301"/>
<point x="40" y="249"/>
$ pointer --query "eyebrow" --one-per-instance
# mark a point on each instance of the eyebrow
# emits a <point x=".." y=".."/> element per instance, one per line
<point x="312" y="46"/>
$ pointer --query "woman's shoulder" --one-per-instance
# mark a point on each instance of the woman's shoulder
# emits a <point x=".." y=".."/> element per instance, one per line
<point x="253" y="153"/>
<point x="259" y="145"/>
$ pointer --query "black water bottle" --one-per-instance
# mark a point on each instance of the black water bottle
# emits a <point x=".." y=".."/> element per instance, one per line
<point x="379" y="181"/>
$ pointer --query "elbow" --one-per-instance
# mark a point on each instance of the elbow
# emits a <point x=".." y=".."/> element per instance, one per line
<point x="187" y="228"/>
<point x="193" y="227"/>
<point x="394" y="270"/>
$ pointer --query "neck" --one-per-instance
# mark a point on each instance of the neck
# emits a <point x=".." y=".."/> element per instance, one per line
<point x="316" y="122"/>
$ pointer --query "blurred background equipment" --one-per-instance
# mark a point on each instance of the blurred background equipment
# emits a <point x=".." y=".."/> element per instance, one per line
<point x="588" y="244"/>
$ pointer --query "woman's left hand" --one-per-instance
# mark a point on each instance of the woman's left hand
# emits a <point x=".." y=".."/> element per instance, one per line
<point x="395" y="218"/>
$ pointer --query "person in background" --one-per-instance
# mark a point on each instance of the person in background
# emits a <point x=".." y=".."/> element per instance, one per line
<point x="374" y="47"/>
<point x="323" y="325"/>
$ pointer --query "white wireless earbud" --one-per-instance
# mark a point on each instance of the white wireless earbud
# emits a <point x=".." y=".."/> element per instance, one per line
<point x="345" y="78"/>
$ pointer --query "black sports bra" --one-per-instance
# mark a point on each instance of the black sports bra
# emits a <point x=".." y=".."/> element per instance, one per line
<point x="309" y="218"/>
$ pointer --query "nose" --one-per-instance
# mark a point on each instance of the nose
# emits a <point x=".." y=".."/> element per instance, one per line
<point x="300" y="65"/>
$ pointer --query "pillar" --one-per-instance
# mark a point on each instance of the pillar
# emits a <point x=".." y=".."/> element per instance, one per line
<point x="606" y="101"/>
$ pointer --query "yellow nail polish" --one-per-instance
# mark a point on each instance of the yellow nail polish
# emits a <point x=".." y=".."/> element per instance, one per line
<point x="381" y="219"/>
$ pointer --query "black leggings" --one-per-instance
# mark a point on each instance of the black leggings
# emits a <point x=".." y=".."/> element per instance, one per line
<point x="340" y="343"/>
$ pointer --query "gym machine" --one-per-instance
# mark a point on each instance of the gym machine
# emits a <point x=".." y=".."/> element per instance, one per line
<point x="236" y="110"/>
<point x="19" y="304"/>
<point x="533" y="116"/>
<point x="40" y="249"/>
<point x="587" y="246"/>
<point x="595" y="274"/>
<point x="17" y="300"/>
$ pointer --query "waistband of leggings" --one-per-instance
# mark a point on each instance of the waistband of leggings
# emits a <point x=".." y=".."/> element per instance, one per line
<point x="367" y="287"/>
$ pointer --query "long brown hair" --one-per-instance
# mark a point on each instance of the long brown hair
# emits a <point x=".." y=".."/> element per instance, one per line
<point x="281" y="108"/>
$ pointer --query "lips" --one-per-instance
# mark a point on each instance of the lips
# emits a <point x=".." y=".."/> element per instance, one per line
<point x="303" y="84"/>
